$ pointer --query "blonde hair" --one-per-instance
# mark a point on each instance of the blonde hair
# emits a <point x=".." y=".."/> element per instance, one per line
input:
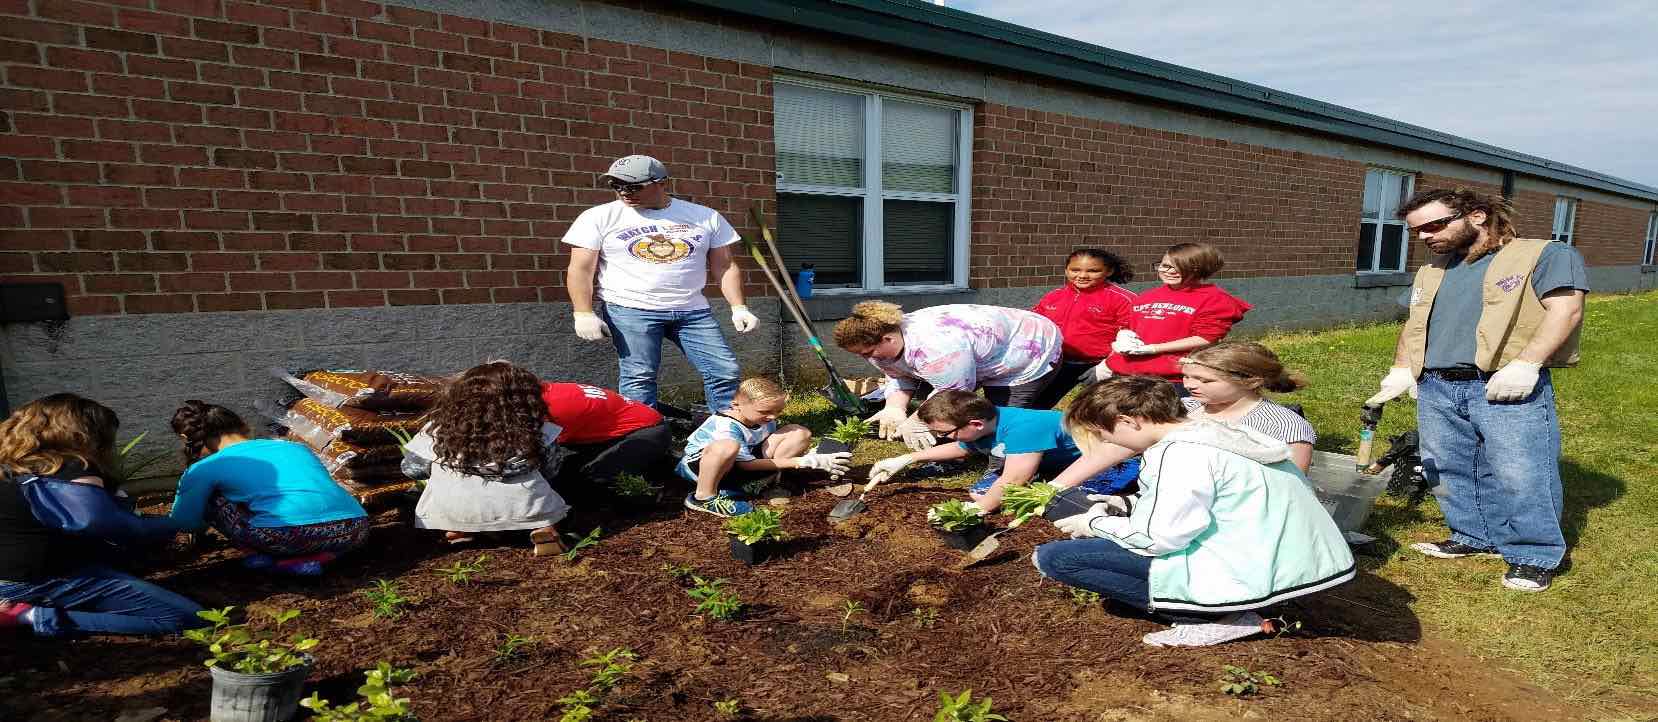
<point x="869" y="321"/>
<point x="43" y="435"/>
<point x="760" y="389"/>
<point x="1250" y="364"/>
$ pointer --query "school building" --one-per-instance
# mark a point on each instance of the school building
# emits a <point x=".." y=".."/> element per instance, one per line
<point x="223" y="186"/>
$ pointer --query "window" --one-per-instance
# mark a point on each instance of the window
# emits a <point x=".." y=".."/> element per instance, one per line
<point x="1565" y="217"/>
<point x="872" y="187"/>
<point x="1383" y="244"/>
<point x="1651" y="239"/>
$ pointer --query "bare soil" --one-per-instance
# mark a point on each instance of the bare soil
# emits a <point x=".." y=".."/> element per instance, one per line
<point x="1000" y="630"/>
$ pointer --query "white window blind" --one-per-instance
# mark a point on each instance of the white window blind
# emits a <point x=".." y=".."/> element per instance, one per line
<point x="1383" y="243"/>
<point x="822" y="143"/>
<point x="1565" y="218"/>
<point x="1647" y="257"/>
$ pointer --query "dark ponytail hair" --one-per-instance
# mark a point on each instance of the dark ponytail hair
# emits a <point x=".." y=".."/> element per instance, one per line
<point x="1120" y="270"/>
<point x="202" y="423"/>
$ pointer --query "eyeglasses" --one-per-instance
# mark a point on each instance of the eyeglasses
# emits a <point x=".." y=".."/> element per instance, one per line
<point x="1165" y="268"/>
<point x="1436" y="225"/>
<point x="631" y="187"/>
<point x="951" y="434"/>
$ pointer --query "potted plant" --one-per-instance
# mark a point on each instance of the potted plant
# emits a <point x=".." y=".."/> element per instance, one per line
<point x="1028" y="500"/>
<point x="755" y="536"/>
<point x="257" y="677"/>
<point x="846" y="435"/>
<point x="959" y="524"/>
<point x="1069" y="502"/>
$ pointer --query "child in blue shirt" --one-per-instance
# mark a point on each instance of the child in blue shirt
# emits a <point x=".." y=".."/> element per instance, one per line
<point x="1023" y="444"/>
<point x="744" y="443"/>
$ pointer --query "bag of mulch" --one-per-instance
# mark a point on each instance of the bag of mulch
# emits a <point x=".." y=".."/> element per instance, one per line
<point x="369" y="475"/>
<point x="346" y="455"/>
<point x="388" y="391"/>
<point x="320" y="425"/>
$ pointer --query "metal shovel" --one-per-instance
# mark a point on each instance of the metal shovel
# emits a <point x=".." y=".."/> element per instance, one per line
<point x="847" y="508"/>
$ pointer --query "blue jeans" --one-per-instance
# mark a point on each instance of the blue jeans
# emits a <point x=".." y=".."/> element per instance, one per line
<point x="638" y="334"/>
<point x="99" y="600"/>
<point x="1098" y="565"/>
<point x="1496" y="467"/>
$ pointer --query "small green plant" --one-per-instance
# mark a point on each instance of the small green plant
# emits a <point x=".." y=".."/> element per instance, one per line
<point x="578" y="706"/>
<point x="954" y="515"/>
<point x="131" y="467"/>
<point x="850" y="430"/>
<point x="387" y="598"/>
<point x="925" y="617"/>
<point x="460" y="573"/>
<point x="377" y="703"/>
<point x="1240" y="682"/>
<point x="713" y="599"/>
<point x="1084" y="597"/>
<point x="678" y="571"/>
<point x="512" y="647"/>
<point x="591" y="539"/>
<point x="402" y="435"/>
<point x="1024" y="502"/>
<point x="756" y="526"/>
<point x="848" y="609"/>
<point x="728" y="707"/>
<point x="962" y="708"/>
<point x="238" y="648"/>
<point x="634" y="486"/>
<point x="612" y="667"/>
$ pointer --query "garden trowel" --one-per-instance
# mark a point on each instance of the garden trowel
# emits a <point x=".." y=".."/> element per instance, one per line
<point x="846" y="508"/>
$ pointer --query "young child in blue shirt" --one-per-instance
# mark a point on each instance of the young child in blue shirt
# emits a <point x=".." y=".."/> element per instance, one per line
<point x="1028" y="443"/>
<point x="744" y="443"/>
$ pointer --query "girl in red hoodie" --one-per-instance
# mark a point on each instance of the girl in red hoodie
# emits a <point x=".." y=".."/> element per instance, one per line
<point x="1089" y="310"/>
<point x="1180" y="316"/>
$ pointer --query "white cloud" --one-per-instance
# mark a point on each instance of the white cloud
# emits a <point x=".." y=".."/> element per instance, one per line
<point x="1573" y="83"/>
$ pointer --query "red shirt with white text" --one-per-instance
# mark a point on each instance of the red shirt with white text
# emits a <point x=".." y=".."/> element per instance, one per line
<point x="1168" y="314"/>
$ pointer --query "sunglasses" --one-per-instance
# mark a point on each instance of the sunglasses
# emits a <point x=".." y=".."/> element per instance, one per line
<point x="1436" y="225"/>
<point x="631" y="187"/>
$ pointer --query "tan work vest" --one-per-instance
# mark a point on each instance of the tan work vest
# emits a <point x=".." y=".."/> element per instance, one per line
<point x="1510" y="315"/>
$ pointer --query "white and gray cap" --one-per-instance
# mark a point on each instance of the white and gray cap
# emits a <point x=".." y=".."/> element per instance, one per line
<point x="636" y="169"/>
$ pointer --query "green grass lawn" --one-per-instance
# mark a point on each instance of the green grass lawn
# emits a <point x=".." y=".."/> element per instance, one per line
<point x="1593" y="638"/>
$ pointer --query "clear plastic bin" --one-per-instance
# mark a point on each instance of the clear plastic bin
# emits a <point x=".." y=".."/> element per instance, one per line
<point x="1347" y="494"/>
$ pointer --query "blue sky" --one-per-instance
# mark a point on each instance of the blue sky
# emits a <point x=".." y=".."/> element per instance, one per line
<point x="1572" y="82"/>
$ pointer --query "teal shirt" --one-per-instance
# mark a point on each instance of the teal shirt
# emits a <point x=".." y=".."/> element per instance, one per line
<point x="282" y="482"/>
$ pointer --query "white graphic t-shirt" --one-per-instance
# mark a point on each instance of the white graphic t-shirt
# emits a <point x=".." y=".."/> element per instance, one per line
<point x="652" y="258"/>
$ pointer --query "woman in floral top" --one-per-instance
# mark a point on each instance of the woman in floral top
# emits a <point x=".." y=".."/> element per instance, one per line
<point x="1010" y="353"/>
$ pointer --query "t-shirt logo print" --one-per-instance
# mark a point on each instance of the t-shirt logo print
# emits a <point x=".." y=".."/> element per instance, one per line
<point x="1509" y="283"/>
<point x="660" y="248"/>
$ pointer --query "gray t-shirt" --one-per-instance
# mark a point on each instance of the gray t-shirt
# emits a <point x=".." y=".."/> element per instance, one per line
<point x="1457" y="305"/>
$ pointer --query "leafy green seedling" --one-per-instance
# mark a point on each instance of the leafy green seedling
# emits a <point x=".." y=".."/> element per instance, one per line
<point x="460" y="573"/>
<point x="1240" y="682"/>
<point x="512" y="647"/>
<point x="850" y="430"/>
<point x="131" y="467"/>
<point x="925" y="617"/>
<point x="1024" y="502"/>
<point x="237" y="648"/>
<point x="377" y="703"/>
<point x="678" y="571"/>
<point x="954" y="515"/>
<point x="713" y="599"/>
<point x="849" y="608"/>
<point x="634" y="486"/>
<point x="1084" y="597"/>
<point x="578" y="706"/>
<point x="756" y="526"/>
<point x="387" y="598"/>
<point x="728" y="707"/>
<point x="962" y="708"/>
<point x="403" y="436"/>
<point x="591" y="539"/>
<point x="612" y="667"/>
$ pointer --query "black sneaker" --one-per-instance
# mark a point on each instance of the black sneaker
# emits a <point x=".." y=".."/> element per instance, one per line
<point x="1527" y="578"/>
<point x="1449" y="549"/>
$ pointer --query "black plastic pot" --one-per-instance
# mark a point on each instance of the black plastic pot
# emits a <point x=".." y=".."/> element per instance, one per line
<point x="965" y="539"/>
<point x="832" y="446"/>
<point x="752" y="554"/>
<point x="1071" y="502"/>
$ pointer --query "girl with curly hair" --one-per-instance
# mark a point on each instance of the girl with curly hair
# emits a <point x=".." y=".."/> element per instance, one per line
<point x="488" y="453"/>
<point x="269" y="496"/>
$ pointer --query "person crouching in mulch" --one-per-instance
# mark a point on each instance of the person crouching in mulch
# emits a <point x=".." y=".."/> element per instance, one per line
<point x="487" y="455"/>
<point x="269" y="496"/>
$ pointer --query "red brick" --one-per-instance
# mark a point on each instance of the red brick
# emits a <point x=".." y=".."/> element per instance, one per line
<point x="194" y="49"/>
<point x="211" y="178"/>
<point x="256" y="14"/>
<point x="142" y="218"/>
<point x="46" y="78"/>
<point x="198" y="8"/>
<point x="249" y="200"/>
<point x="465" y="295"/>
<point x="348" y="299"/>
<point x="322" y="280"/>
<point x="262" y="281"/>
<point x="264" y="58"/>
<point x="236" y="118"/>
<point x="118" y="282"/>
<point x="165" y="111"/>
<point x="283" y="222"/>
<point x="227" y="301"/>
<point x="413" y="297"/>
<point x="231" y="158"/>
<point x="192" y="282"/>
<point x="222" y="262"/>
<point x="216" y="220"/>
<point x="105" y="196"/>
<point x="410" y="16"/>
<point x="199" y="93"/>
<point x="161" y="68"/>
<point x="309" y="162"/>
<point x="142" y="21"/>
<point x="119" y="85"/>
<point x="94" y="305"/>
<point x="185" y="241"/>
<point x="275" y="301"/>
<point x="255" y="242"/>
<point x="288" y="261"/>
<point x="327" y="65"/>
<point x="290" y="40"/>
<point x="130" y="130"/>
<point x="74" y="262"/>
<point x="382" y="279"/>
<point x="146" y="261"/>
<point x="160" y="303"/>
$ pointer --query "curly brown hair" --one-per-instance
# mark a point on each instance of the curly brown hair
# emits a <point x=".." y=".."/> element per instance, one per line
<point x="868" y="322"/>
<point x="201" y="424"/>
<point x="490" y="415"/>
<point x="42" y="436"/>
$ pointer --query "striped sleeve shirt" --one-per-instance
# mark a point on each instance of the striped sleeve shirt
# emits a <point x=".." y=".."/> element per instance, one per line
<point x="1268" y="418"/>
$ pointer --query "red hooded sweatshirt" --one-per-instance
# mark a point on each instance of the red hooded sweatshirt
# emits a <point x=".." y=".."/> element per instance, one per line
<point x="591" y="415"/>
<point x="1167" y="314"/>
<point x="1087" y="319"/>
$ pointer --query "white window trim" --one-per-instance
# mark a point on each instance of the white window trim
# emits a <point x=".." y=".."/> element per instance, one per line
<point x="1569" y="228"/>
<point x="1388" y="219"/>
<point x="873" y="261"/>
<point x="1650" y="253"/>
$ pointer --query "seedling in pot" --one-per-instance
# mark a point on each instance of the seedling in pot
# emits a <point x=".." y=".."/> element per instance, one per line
<point x="387" y="599"/>
<point x="962" y="708"/>
<point x="845" y="436"/>
<point x="714" y="600"/>
<point x="460" y="573"/>
<point x="377" y="705"/>
<point x="1026" y="501"/>
<point x="591" y="539"/>
<point x="1070" y="502"/>
<point x="237" y="648"/>
<point x="958" y="523"/>
<point x="755" y="535"/>
<point x="851" y="607"/>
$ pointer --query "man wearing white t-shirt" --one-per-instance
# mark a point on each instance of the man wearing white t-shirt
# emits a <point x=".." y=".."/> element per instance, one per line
<point x="652" y="253"/>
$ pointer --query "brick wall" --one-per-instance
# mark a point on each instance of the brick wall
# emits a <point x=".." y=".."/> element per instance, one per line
<point x="208" y="155"/>
<point x="1045" y="183"/>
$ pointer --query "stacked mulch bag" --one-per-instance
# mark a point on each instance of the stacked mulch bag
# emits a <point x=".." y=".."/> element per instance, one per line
<point x="356" y="422"/>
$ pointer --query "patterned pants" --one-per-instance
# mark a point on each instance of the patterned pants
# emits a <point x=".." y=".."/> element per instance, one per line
<point x="235" y="521"/>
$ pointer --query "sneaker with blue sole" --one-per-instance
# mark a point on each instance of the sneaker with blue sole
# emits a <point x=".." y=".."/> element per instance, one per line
<point x="724" y="504"/>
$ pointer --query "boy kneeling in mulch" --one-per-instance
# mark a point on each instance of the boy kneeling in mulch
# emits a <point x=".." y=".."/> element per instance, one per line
<point x="1224" y="523"/>
<point x="743" y="444"/>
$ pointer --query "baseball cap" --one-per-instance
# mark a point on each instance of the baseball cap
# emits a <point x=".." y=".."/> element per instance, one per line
<point x="636" y="169"/>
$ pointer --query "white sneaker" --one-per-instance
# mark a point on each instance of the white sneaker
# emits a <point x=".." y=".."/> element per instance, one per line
<point x="1225" y="629"/>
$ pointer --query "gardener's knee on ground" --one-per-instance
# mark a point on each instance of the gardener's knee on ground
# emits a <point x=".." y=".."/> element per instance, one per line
<point x="792" y="441"/>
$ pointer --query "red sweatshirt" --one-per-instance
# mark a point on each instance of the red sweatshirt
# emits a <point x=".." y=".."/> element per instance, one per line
<point x="1167" y="314"/>
<point x="591" y="415"/>
<point x="1089" y="319"/>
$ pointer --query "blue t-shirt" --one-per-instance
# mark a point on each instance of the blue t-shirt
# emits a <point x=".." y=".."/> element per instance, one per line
<point x="720" y="426"/>
<point x="1457" y="304"/>
<point x="1025" y="431"/>
<point x="282" y="482"/>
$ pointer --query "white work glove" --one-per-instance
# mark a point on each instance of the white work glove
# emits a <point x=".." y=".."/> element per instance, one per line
<point x="743" y="320"/>
<point x="887" y="468"/>
<point x="1513" y="382"/>
<point x="836" y="463"/>
<point x="589" y="327"/>
<point x="1128" y="343"/>
<point x="1081" y="526"/>
<point x="916" y="435"/>
<point x="1102" y="372"/>
<point x="1397" y="381"/>
<point x="887" y="421"/>
<point x="1115" y="504"/>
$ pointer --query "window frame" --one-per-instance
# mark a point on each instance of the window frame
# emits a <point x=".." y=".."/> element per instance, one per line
<point x="1389" y="218"/>
<point x="873" y="259"/>
<point x="1569" y="229"/>
<point x="1649" y="254"/>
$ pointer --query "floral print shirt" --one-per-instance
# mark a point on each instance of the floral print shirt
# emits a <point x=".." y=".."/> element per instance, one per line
<point x="966" y="346"/>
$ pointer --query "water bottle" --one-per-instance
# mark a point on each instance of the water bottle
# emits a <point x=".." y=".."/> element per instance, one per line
<point x="803" y="280"/>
